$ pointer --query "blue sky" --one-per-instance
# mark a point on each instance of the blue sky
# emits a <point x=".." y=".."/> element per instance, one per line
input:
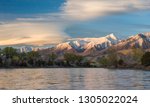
<point x="29" y="6"/>
<point x="42" y="22"/>
<point x="11" y="9"/>
<point x="122" y="25"/>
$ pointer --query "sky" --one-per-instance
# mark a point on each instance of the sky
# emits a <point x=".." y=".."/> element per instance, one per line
<point x="48" y="22"/>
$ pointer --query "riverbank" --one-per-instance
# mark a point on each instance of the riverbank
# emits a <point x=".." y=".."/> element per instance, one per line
<point x="137" y="67"/>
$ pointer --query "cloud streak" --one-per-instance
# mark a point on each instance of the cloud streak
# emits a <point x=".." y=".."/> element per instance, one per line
<point x="89" y="9"/>
<point x="49" y="28"/>
<point x="31" y="33"/>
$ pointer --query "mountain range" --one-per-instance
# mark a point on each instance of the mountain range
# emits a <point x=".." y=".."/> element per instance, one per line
<point x="85" y="46"/>
<point x="136" y="41"/>
<point x="94" y="46"/>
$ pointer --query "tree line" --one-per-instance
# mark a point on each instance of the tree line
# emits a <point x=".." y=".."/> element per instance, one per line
<point x="9" y="57"/>
<point x="134" y="57"/>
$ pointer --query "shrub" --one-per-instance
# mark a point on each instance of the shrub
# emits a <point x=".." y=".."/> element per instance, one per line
<point x="146" y="59"/>
<point x="103" y="62"/>
<point x="71" y="58"/>
<point x="120" y="62"/>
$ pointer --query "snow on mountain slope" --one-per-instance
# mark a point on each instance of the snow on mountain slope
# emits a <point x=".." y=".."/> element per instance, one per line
<point x="63" y="46"/>
<point x="112" y="38"/>
<point x="86" y="44"/>
<point x="137" y="41"/>
<point x="97" y="46"/>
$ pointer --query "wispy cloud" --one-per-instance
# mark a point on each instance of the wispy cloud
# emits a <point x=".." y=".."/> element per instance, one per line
<point x="49" y="28"/>
<point x="89" y="9"/>
<point x="31" y="33"/>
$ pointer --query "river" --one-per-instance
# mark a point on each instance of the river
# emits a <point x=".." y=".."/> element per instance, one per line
<point x="74" y="79"/>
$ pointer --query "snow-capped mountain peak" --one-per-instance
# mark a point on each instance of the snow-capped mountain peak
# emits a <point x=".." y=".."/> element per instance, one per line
<point x="100" y="45"/>
<point x="137" y="41"/>
<point x="111" y="36"/>
<point x="85" y="44"/>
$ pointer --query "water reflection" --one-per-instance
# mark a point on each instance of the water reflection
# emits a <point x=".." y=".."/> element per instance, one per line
<point x="74" y="79"/>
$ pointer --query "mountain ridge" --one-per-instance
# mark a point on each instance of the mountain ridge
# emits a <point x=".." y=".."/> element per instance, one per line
<point x="141" y="40"/>
<point x="85" y="45"/>
<point x="94" y="46"/>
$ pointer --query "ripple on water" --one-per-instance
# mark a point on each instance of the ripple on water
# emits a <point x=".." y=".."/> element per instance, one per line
<point x="73" y="78"/>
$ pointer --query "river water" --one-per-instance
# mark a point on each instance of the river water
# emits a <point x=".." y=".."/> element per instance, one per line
<point x="74" y="79"/>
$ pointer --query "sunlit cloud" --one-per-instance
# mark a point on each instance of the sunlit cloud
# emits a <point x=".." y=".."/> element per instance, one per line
<point x="89" y="9"/>
<point x="31" y="33"/>
<point x="50" y="28"/>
